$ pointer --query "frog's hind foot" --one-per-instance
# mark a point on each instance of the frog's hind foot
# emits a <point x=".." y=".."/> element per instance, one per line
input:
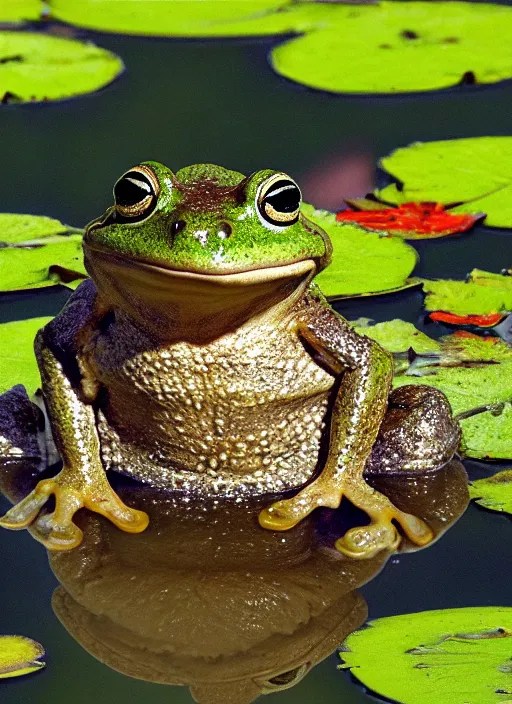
<point x="56" y="531"/>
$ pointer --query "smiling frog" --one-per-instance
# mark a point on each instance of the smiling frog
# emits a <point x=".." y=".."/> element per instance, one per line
<point x="202" y="358"/>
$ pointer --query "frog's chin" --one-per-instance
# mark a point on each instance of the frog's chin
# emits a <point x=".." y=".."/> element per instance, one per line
<point x="192" y="305"/>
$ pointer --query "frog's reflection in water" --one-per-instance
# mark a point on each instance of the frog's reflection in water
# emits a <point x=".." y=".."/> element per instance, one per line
<point x="206" y="598"/>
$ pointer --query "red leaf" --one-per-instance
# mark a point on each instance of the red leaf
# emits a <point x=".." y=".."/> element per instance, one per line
<point x="471" y="335"/>
<point x="479" y="321"/>
<point x="412" y="220"/>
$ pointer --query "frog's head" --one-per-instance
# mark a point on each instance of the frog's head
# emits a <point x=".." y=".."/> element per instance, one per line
<point x="203" y="246"/>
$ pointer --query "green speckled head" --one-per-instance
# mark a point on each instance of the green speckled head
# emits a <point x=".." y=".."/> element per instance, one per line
<point x="206" y="219"/>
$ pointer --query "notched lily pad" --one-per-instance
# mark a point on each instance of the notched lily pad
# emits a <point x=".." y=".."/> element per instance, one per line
<point x="494" y="493"/>
<point x="19" y="656"/>
<point x="449" y="655"/>
<point x="475" y="172"/>
<point x="38" y="67"/>
<point x="38" y="251"/>
<point x="483" y="293"/>
<point x="19" y="364"/>
<point x="412" y="221"/>
<point x="363" y="262"/>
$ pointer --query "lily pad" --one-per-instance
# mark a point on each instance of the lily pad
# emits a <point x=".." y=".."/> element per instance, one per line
<point x="483" y="293"/>
<point x="449" y="655"/>
<point x="398" y="47"/>
<point x="494" y="493"/>
<point x="19" y="364"/>
<point x="475" y="172"/>
<point x="20" y="10"/>
<point x="39" y="67"/>
<point x="363" y="262"/>
<point x="473" y="373"/>
<point x="19" y="656"/>
<point x="38" y="251"/>
<point x="412" y="221"/>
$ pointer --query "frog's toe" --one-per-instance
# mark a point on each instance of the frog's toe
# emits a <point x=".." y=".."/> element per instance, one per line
<point x="128" y="519"/>
<point x="55" y="534"/>
<point x="24" y="513"/>
<point x="285" y="514"/>
<point x="367" y="541"/>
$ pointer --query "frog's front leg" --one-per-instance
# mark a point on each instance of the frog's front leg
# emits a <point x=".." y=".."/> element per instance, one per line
<point x="82" y="481"/>
<point x="360" y="405"/>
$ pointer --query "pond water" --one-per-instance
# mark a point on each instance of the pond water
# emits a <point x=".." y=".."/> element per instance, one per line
<point x="182" y="102"/>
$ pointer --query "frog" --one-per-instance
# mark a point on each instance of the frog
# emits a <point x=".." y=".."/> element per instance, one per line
<point x="202" y="358"/>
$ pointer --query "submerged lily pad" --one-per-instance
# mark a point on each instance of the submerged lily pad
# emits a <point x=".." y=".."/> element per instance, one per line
<point x="20" y="10"/>
<point x="19" y="364"/>
<point x="475" y="172"/>
<point x="494" y="493"/>
<point x="39" y="67"/>
<point x="19" y="656"/>
<point x="363" y="262"/>
<point x="38" y="251"/>
<point x="483" y="293"/>
<point x="449" y="655"/>
<point x="398" y="47"/>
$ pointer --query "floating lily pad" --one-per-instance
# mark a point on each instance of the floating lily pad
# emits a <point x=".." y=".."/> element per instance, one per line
<point x="483" y="293"/>
<point x="494" y="493"/>
<point x="475" y="172"/>
<point x="20" y="10"/>
<point x="19" y="364"/>
<point x="471" y="371"/>
<point x="39" y="67"/>
<point x="363" y="262"/>
<point x="398" y="47"/>
<point x="38" y="251"/>
<point x="449" y="655"/>
<point x="412" y="221"/>
<point x="19" y="656"/>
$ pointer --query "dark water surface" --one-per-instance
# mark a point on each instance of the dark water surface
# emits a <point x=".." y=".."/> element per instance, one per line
<point x="182" y="102"/>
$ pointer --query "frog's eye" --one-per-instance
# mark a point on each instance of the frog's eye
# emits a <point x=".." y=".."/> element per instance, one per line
<point x="278" y="200"/>
<point x="285" y="680"/>
<point x="136" y="193"/>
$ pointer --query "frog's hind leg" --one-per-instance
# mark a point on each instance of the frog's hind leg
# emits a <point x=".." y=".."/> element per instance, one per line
<point x="418" y="433"/>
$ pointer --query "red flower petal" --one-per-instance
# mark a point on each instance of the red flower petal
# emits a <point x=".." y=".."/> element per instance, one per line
<point x="414" y="220"/>
<point x="480" y="321"/>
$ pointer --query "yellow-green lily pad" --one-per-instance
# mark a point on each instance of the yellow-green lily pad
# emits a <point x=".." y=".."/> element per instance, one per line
<point x="19" y="656"/>
<point x="455" y="656"/>
<point x="399" y="47"/>
<point x="19" y="364"/>
<point x="363" y="262"/>
<point x="399" y="336"/>
<point x="494" y="493"/>
<point x="37" y="251"/>
<point x="38" y="67"/>
<point x="475" y="172"/>
<point x="20" y="10"/>
<point x="482" y="293"/>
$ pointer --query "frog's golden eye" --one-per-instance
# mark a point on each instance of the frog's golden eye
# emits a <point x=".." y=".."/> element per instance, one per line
<point x="285" y="680"/>
<point x="278" y="200"/>
<point x="136" y="193"/>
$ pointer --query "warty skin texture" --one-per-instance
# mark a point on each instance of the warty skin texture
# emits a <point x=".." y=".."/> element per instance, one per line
<point x="202" y="359"/>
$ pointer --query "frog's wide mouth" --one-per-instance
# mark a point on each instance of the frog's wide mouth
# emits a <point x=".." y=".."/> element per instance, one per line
<point x="260" y="275"/>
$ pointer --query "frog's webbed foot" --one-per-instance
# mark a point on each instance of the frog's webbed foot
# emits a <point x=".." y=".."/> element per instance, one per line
<point x="56" y="530"/>
<point x="360" y="542"/>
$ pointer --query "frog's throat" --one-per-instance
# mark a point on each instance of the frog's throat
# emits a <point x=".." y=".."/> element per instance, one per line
<point x="191" y="305"/>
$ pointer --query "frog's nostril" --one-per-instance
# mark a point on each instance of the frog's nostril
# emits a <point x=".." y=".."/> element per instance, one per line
<point x="225" y="230"/>
<point x="178" y="226"/>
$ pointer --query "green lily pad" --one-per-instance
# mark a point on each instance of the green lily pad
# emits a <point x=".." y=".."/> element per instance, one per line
<point x="494" y="493"/>
<point x="473" y="372"/>
<point x="20" y="10"/>
<point x="475" y="172"/>
<point x="483" y="293"/>
<point x="39" y="67"/>
<point x="449" y="655"/>
<point x="19" y="364"/>
<point x="398" y="47"/>
<point x="38" y="251"/>
<point x="364" y="262"/>
<point x="19" y="656"/>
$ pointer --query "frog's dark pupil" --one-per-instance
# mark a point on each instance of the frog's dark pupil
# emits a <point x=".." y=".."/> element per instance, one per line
<point x="132" y="188"/>
<point x="284" y="196"/>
